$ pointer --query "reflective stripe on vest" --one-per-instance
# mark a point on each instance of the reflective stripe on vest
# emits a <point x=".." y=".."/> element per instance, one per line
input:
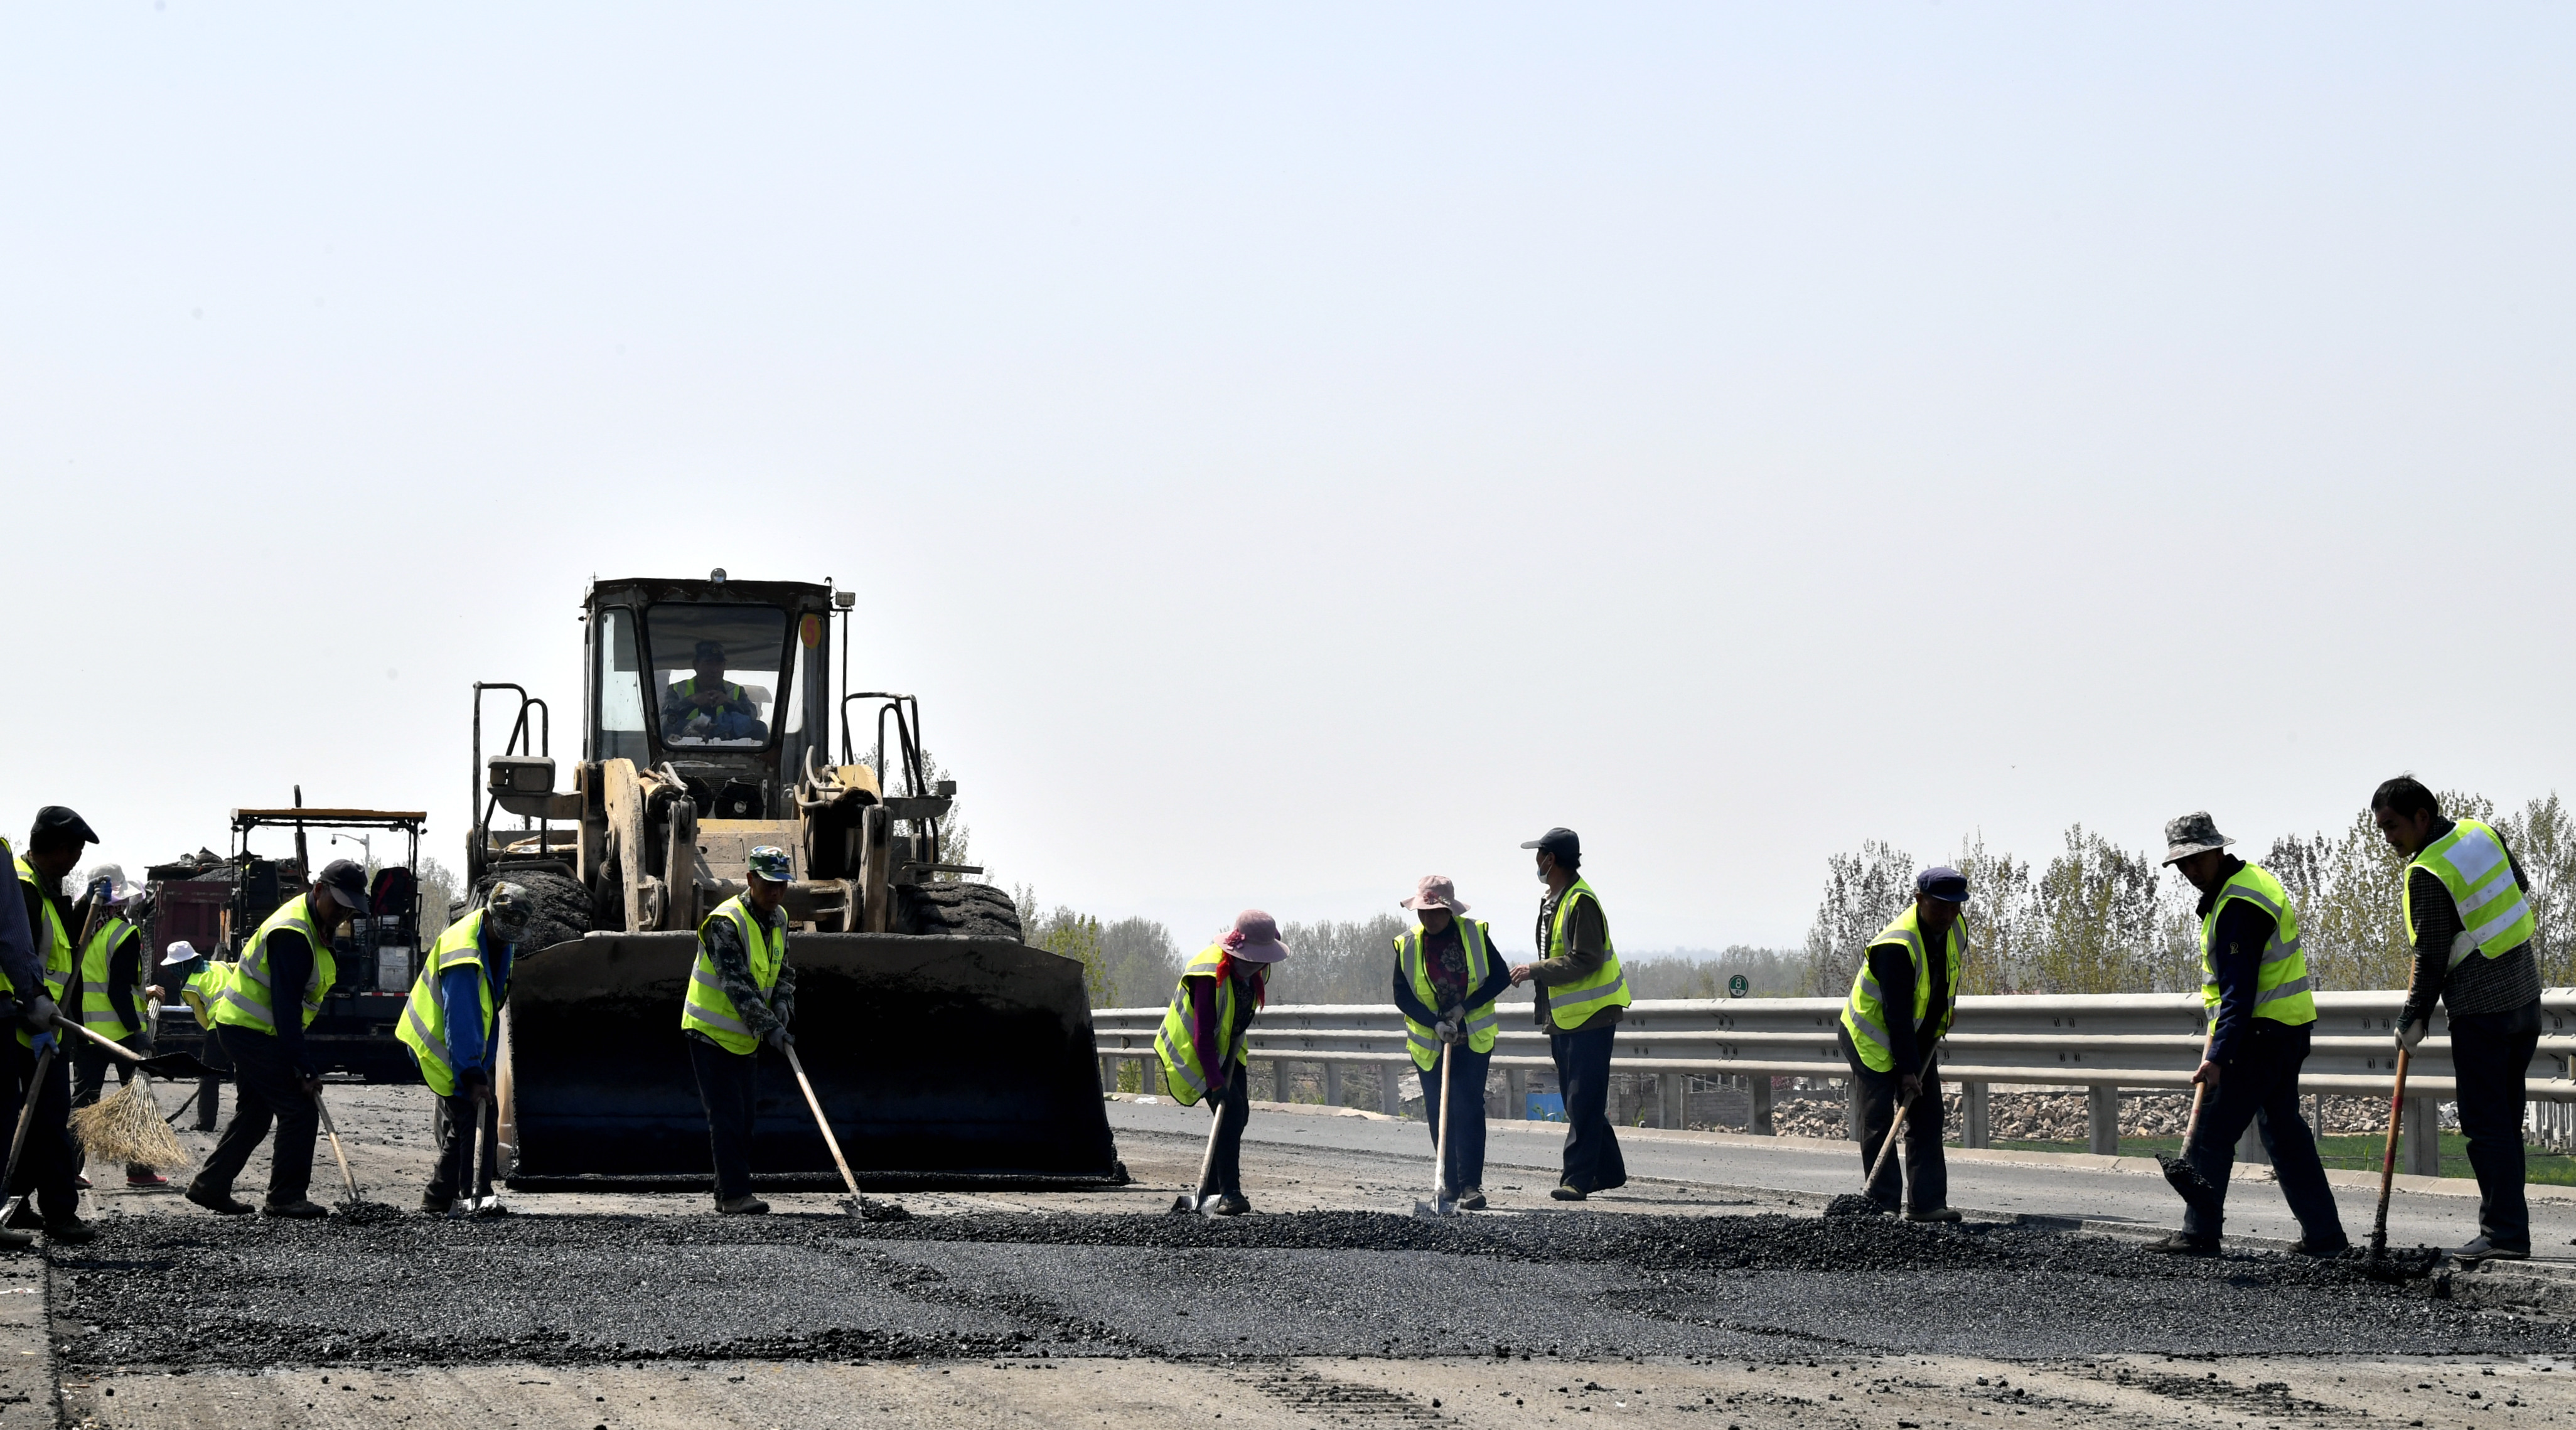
<point x="1568" y="1004"/>
<point x="1865" y="1011"/>
<point x="2495" y="918"/>
<point x="2281" y="990"/>
<point x="52" y="940"/>
<point x="424" y="1021"/>
<point x="1176" y="1042"/>
<point x="97" y="1006"/>
<point x="202" y="989"/>
<point x="247" y="998"/>
<point x="1421" y="1041"/>
<point x="707" y="1008"/>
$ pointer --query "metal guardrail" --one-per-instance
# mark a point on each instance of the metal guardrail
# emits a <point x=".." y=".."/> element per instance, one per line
<point x="2101" y="1042"/>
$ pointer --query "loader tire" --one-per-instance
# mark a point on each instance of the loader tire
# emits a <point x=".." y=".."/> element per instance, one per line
<point x="563" y="905"/>
<point x="974" y="910"/>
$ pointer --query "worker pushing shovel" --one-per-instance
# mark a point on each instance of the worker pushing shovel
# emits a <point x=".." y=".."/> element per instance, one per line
<point x="1901" y="1005"/>
<point x="1204" y="1047"/>
<point x="1447" y="977"/>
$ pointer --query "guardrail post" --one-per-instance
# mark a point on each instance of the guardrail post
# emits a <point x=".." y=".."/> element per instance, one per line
<point x="1332" y="1084"/>
<point x="1149" y="1075"/>
<point x="2421" y="1153"/>
<point x="1516" y="1094"/>
<point x="2249" y="1148"/>
<point x="1108" y="1073"/>
<point x="1390" y="1087"/>
<point x="2102" y="1120"/>
<point x="1757" y="1117"/>
<point x="1279" y="1083"/>
<point x="1976" y="1109"/>
<point x="1851" y="1109"/>
<point x="1675" y="1090"/>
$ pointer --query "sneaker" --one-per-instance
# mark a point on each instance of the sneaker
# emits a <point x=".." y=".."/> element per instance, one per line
<point x="1936" y="1214"/>
<point x="23" y="1215"/>
<point x="146" y="1180"/>
<point x="2320" y="1246"/>
<point x="2481" y="1249"/>
<point x="489" y="1207"/>
<point x="1567" y="1192"/>
<point x="2180" y="1244"/>
<point x="1474" y="1201"/>
<point x="302" y="1209"/>
<point x="743" y="1206"/>
<point x="220" y="1203"/>
<point x="69" y="1229"/>
<point x="1234" y="1205"/>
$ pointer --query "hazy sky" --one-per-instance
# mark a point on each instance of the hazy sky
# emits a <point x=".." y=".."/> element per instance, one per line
<point x="1292" y="450"/>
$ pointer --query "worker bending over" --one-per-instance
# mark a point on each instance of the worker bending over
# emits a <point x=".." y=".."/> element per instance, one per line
<point x="49" y="1167"/>
<point x="201" y="982"/>
<point x="115" y="1003"/>
<point x="23" y="968"/>
<point x="1446" y="980"/>
<point x="1901" y="1004"/>
<point x="1203" y="1045"/>
<point x="2467" y="907"/>
<point x="742" y="993"/>
<point x="452" y="1025"/>
<point x="2254" y="982"/>
<point x="286" y="967"/>
<point x="1581" y="997"/>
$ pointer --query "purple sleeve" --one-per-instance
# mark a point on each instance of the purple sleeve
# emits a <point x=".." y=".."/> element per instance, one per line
<point x="1204" y="1031"/>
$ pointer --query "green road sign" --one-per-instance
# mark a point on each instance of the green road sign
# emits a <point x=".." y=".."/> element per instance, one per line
<point x="1736" y="986"/>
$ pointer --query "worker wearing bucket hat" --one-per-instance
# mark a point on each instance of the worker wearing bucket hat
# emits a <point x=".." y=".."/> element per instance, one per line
<point x="1202" y="1047"/>
<point x="201" y="982"/>
<point x="1446" y="981"/>
<point x="741" y="994"/>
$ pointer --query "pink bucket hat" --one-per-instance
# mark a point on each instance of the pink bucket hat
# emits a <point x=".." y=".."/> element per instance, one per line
<point x="1254" y="938"/>
<point x="1435" y="892"/>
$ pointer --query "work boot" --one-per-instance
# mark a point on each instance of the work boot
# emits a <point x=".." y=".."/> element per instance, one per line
<point x="434" y="1203"/>
<point x="1232" y="1204"/>
<point x="2321" y="1246"/>
<point x="2478" y="1249"/>
<point x="70" y="1230"/>
<point x="23" y="1215"/>
<point x="1567" y="1192"/>
<point x="744" y="1205"/>
<point x="302" y="1208"/>
<point x="81" y="1180"/>
<point x="1936" y="1214"/>
<point x="2184" y="1244"/>
<point x="1474" y="1201"/>
<point x="16" y="1240"/>
<point x="220" y="1203"/>
<point x="146" y="1180"/>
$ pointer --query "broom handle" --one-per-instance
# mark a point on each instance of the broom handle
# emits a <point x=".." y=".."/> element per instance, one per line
<point x="26" y="1119"/>
<point x="822" y="1122"/>
<point x="346" y="1180"/>
<point x="2388" y="1159"/>
<point x="67" y="1025"/>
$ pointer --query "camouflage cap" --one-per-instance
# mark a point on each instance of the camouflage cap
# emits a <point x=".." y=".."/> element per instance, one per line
<point x="2193" y="833"/>
<point x="770" y="862"/>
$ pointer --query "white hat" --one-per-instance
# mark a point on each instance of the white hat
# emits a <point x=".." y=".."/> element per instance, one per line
<point x="181" y="951"/>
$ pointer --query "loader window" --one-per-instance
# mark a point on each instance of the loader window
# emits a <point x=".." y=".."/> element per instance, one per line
<point x="717" y="670"/>
<point x="620" y="683"/>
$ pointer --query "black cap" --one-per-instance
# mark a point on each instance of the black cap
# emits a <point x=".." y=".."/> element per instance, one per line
<point x="347" y="882"/>
<point x="1560" y="842"/>
<point x="59" y="822"/>
<point x="1944" y="883"/>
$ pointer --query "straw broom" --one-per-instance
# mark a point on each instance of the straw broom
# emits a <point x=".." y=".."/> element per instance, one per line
<point x="127" y="1127"/>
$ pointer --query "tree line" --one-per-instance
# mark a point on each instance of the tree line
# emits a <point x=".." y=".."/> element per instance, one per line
<point x="2100" y="918"/>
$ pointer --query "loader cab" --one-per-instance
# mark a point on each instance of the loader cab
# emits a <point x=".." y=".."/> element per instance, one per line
<point x="723" y="682"/>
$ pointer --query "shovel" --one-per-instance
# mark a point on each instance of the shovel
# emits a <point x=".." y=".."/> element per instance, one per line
<point x="18" y="1143"/>
<point x="1895" y="1130"/>
<point x="2388" y="1162"/>
<point x="333" y="1133"/>
<point x="2185" y="1178"/>
<point x="164" y="1065"/>
<point x="825" y="1123"/>
<point x="1441" y="1203"/>
<point x="1200" y="1199"/>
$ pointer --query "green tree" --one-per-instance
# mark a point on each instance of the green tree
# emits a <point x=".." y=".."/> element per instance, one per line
<point x="2097" y="920"/>
<point x="1862" y="892"/>
<point x="2001" y="918"/>
<point x="1071" y="933"/>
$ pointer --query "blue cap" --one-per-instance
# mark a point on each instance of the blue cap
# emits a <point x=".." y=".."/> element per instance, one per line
<point x="770" y="862"/>
<point x="1944" y="883"/>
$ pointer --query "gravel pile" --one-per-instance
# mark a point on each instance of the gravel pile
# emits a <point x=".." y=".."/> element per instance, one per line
<point x="2033" y="1116"/>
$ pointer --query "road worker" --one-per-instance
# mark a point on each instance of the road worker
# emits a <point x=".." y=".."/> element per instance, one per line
<point x="201" y="982"/>
<point x="452" y="1025"/>
<point x="49" y="1168"/>
<point x="23" y="968"/>
<point x="1903" y="997"/>
<point x="114" y="1001"/>
<point x="1446" y="980"/>
<point x="742" y="993"/>
<point x="1203" y="1046"/>
<point x="1581" y="997"/>
<point x="2254" y="982"/>
<point x="2467" y="907"/>
<point x="268" y="999"/>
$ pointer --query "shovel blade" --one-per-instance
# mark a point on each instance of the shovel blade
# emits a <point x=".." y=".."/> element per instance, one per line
<point x="1435" y="1209"/>
<point x="2189" y="1184"/>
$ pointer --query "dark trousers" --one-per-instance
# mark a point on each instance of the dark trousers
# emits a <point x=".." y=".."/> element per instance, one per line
<point x="210" y="1088"/>
<point x="50" y="1160"/>
<point x="90" y="1067"/>
<point x="1465" y="1164"/>
<point x="2490" y="1054"/>
<point x="2260" y="1088"/>
<point x="267" y="1091"/>
<point x="1232" y="1109"/>
<point x="1592" y="1160"/>
<point x="1917" y="1178"/>
<point x="726" y="1083"/>
<point x="454" y="1116"/>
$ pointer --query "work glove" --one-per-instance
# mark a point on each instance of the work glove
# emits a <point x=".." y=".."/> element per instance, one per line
<point x="2411" y="1032"/>
<point x="1446" y="1030"/>
<point x="39" y="1015"/>
<point x="470" y="1082"/>
<point x="778" y="1037"/>
<point x="45" y="1041"/>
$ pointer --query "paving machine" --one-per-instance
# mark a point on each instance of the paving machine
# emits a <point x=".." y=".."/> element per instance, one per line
<point x="944" y="1049"/>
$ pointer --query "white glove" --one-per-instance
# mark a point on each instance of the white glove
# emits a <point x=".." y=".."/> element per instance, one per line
<point x="1446" y="1030"/>
<point x="2411" y="1033"/>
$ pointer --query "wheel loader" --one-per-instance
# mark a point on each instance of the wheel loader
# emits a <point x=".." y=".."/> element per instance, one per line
<point x="945" y="1050"/>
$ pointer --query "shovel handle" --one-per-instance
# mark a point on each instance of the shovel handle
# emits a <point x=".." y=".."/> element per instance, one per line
<point x="1440" y="1145"/>
<point x="26" y="1119"/>
<point x="2388" y="1158"/>
<point x="66" y="1025"/>
<point x="342" y="1157"/>
<point x="1897" y="1126"/>
<point x="822" y="1122"/>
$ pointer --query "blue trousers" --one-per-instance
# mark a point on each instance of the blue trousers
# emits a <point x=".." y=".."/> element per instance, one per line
<point x="1464" y="1167"/>
<point x="1592" y="1160"/>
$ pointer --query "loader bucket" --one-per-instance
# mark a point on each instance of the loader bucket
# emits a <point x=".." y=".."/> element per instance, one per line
<point x="941" y="1061"/>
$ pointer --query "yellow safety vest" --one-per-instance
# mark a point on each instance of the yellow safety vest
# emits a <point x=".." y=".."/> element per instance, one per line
<point x="246" y="997"/>
<point x="1481" y="1022"/>
<point x="2495" y="918"/>
<point x="424" y="1021"/>
<point x="53" y="940"/>
<point x="2281" y="991"/>
<point x="97" y="1009"/>
<point x="1568" y="1004"/>
<point x="203" y="988"/>
<point x="708" y="1008"/>
<point x="1865" y="1012"/>
<point x="1177" y="1043"/>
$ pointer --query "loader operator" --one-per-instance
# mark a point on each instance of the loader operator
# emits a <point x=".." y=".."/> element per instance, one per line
<point x="2467" y="907"/>
<point x="1446" y="980"/>
<point x="287" y="969"/>
<point x="1202" y="1046"/>
<point x="452" y="1025"/>
<point x="49" y="1168"/>
<point x="1582" y="994"/>
<point x="1902" y="1000"/>
<point x="2254" y="981"/>
<point x="726" y="709"/>
<point x="24" y="968"/>
<point x="116" y="1004"/>
<point x="742" y="993"/>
